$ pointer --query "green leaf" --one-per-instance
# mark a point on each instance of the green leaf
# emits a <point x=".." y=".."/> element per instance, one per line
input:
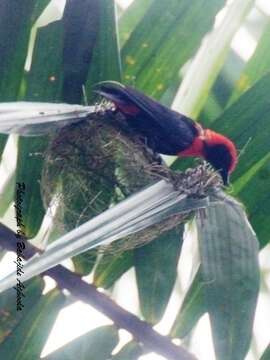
<point x="28" y="339"/>
<point x="40" y="5"/>
<point x="97" y="344"/>
<point x="209" y="60"/>
<point x="42" y="83"/>
<point x="212" y="108"/>
<point x="153" y="54"/>
<point x="44" y="80"/>
<point x="131" y="17"/>
<point x="256" y="67"/>
<point x="81" y="22"/>
<point x="266" y="354"/>
<point x="7" y="194"/>
<point x="254" y="193"/>
<point x="229" y="258"/>
<point x="3" y="141"/>
<point x="84" y="263"/>
<point x="30" y="163"/>
<point x="106" y="64"/>
<point x="111" y="267"/>
<point x="156" y="271"/>
<point x="192" y="308"/>
<point x="243" y="122"/>
<point x="10" y="316"/>
<point x="17" y="20"/>
<point x="131" y="351"/>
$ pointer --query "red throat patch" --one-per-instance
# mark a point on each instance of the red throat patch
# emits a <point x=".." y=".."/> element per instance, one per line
<point x="195" y="149"/>
<point x="210" y="137"/>
<point x="128" y="109"/>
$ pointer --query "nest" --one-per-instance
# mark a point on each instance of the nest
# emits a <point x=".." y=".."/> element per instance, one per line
<point x="196" y="183"/>
<point x="100" y="161"/>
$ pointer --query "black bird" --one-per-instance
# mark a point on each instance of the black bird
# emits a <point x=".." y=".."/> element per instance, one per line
<point x="169" y="132"/>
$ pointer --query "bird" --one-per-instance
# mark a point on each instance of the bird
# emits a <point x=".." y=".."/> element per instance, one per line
<point x="169" y="132"/>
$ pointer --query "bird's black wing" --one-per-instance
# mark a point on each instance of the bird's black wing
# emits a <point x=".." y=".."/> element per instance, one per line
<point x="167" y="131"/>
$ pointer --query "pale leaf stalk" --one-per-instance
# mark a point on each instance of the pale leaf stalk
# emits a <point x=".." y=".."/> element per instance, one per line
<point x="36" y="118"/>
<point x="148" y="207"/>
<point x="204" y="69"/>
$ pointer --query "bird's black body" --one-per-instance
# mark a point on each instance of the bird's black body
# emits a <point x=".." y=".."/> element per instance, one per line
<point x="150" y="119"/>
<point x="168" y="132"/>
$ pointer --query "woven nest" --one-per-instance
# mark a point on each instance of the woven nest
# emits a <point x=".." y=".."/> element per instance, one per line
<point x="99" y="162"/>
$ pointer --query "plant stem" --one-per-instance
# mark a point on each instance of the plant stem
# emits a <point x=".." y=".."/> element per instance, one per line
<point x="141" y="331"/>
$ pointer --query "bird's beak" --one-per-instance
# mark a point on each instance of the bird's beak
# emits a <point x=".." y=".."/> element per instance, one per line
<point x="225" y="177"/>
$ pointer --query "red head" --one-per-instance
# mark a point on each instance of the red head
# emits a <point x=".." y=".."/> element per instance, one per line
<point x="217" y="149"/>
